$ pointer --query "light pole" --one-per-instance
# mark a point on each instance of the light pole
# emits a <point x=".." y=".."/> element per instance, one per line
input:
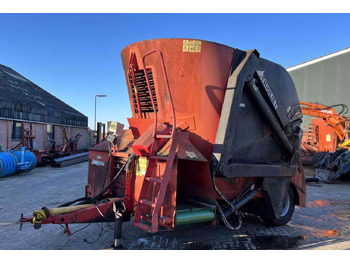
<point x="95" y="107"/>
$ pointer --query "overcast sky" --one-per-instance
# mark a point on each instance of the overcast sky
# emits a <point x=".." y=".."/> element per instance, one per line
<point x="76" y="56"/>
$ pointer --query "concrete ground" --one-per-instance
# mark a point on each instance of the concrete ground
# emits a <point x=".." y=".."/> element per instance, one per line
<point x="324" y="224"/>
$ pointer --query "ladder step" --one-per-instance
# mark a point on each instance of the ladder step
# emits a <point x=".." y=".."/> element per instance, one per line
<point x="147" y="202"/>
<point x="163" y="136"/>
<point x="159" y="158"/>
<point x="146" y="218"/>
<point x="149" y="219"/>
<point x="154" y="179"/>
<point x="143" y="226"/>
<point x="164" y="221"/>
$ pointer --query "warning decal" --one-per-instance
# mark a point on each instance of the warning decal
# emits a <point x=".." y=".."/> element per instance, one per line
<point x="141" y="166"/>
<point x="193" y="46"/>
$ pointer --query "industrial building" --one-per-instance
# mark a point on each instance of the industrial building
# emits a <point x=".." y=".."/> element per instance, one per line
<point x="324" y="80"/>
<point x="24" y="104"/>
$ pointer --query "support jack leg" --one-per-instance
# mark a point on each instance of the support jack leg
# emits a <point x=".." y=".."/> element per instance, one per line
<point x="118" y="226"/>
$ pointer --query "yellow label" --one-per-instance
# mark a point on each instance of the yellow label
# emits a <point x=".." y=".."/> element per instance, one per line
<point x="192" y="46"/>
<point x="141" y="166"/>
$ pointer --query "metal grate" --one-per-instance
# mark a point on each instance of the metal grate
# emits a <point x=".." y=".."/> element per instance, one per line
<point x="140" y="92"/>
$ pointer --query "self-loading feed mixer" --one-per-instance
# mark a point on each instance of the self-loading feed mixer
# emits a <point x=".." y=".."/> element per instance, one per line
<point x="214" y="131"/>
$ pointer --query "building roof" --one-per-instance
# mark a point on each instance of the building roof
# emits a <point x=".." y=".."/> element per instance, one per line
<point x="319" y="59"/>
<point x="22" y="99"/>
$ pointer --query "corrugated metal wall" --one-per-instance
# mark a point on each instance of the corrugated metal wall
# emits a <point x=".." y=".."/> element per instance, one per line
<point x="326" y="81"/>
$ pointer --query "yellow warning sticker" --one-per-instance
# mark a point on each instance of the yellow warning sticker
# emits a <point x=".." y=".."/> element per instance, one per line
<point x="193" y="46"/>
<point x="141" y="166"/>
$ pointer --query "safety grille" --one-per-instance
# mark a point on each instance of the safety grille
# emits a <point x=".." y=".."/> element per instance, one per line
<point x="140" y="91"/>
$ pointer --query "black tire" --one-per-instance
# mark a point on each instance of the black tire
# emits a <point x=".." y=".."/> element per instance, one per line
<point x="287" y="211"/>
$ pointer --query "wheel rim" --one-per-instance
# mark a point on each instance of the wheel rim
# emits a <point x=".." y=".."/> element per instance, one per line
<point x="286" y="206"/>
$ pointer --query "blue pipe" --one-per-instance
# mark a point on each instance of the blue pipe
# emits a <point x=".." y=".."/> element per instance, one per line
<point x="26" y="160"/>
<point x="8" y="163"/>
<point x="16" y="161"/>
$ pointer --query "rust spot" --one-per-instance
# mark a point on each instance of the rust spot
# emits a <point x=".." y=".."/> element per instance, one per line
<point x="318" y="203"/>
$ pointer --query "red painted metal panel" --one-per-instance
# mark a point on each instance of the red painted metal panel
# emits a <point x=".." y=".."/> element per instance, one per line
<point x="99" y="172"/>
<point x="143" y="144"/>
<point x="327" y="138"/>
<point x="299" y="182"/>
<point x="197" y="81"/>
<point x="139" y="125"/>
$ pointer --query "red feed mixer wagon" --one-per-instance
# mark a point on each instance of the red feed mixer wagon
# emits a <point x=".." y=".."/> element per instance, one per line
<point x="215" y="131"/>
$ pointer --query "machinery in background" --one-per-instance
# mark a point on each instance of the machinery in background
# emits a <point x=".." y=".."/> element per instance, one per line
<point x="69" y="146"/>
<point x="327" y="130"/>
<point x="325" y="144"/>
<point x="66" y="154"/>
<point x="319" y="137"/>
<point x="52" y="153"/>
<point x="330" y="166"/>
<point x="214" y="131"/>
<point x="115" y="128"/>
<point x="13" y="162"/>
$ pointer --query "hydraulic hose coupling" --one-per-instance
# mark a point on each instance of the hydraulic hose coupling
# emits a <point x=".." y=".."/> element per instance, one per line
<point x="39" y="216"/>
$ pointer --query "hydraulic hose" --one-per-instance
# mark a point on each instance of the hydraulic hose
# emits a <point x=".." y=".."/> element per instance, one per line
<point x="238" y="214"/>
<point x="86" y="200"/>
<point x="244" y="200"/>
<point x="342" y="112"/>
<point x="131" y="157"/>
<point x="231" y="204"/>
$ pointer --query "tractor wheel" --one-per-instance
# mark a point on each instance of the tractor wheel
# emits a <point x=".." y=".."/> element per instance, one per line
<point x="286" y="213"/>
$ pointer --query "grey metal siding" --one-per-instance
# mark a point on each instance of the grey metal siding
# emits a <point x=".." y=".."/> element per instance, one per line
<point x="326" y="81"/>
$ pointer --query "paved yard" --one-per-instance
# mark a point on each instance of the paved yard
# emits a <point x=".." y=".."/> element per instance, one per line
<point x="324" y="224"/>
